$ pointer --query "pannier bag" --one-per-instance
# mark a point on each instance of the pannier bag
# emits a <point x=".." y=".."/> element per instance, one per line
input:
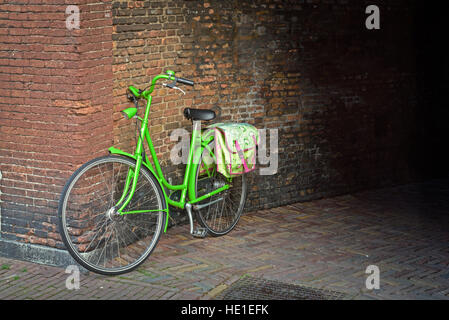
<point x="235" y="148"/>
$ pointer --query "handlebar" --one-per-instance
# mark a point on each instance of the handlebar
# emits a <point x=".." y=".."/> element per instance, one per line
<point x="185" y="81"/>
<point x="170" y="75"/>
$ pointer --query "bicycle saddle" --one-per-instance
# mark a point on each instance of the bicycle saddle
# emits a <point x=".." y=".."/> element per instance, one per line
<point x="199" y="114"/>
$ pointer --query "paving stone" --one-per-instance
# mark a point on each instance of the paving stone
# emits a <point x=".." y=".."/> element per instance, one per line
<point x="326" y="244"/>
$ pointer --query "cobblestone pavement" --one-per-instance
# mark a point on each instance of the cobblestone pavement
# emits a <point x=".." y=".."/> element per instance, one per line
<point x="325" y="244"/>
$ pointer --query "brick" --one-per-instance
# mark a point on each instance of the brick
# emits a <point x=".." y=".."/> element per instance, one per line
<point x="271" y="66"/>
<point x="46" y="68"/>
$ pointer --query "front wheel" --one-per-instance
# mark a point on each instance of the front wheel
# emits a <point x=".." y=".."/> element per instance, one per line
<point x="226" y="207"/>
<point x="95" y="234"/>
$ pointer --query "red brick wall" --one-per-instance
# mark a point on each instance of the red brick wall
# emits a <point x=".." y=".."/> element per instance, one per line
<point x="55" y="98"/>
<point x="343" y="98"/>
<point x="148" y="41"/>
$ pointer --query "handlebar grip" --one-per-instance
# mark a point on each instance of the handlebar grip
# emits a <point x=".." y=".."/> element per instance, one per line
<point x="185" y="81"/>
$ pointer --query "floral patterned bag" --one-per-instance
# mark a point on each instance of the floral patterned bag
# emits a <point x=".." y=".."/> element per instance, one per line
<point x="235" y="148"/>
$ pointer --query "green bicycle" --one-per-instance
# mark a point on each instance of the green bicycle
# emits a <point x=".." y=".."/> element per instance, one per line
<point x="113" y="209"/>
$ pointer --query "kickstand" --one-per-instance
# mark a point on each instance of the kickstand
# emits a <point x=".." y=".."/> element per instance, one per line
<point x="198" y="232"/>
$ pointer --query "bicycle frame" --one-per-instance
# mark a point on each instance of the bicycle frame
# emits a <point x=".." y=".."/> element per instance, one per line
<point x="187" y="188"/>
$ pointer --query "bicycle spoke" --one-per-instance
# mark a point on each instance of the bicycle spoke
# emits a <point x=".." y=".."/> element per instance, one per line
<point x="104" y="178"/>
<point x="118" y="246"/>
<point x="140" y="227"/>
<point x="128" y="226"/>
<point x="220" y="218"/>
<point x="96" y="234"/>
<point x="114" y="183"/>
<point x="103" y="240"/>
<point x="98" y="244"/>
<point x="101" y="253"/>
<point x="139" y="204"/>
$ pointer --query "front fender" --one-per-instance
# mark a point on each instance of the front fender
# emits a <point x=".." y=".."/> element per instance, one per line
<point x="116" y="151"/>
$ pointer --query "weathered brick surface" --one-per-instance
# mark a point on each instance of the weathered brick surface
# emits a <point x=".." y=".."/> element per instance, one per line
<point x="325" y="244"/>
<point x="343" y="98"/>
<point x="54" y="108"/>
<point x="309" y="70"/>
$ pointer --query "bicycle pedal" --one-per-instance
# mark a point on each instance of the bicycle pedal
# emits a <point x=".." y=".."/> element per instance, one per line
<point x="199" y="233"/>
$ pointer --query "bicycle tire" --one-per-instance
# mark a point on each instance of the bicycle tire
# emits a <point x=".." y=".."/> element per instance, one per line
<point x="204" y="216"/>
<point x="74" y="230"/>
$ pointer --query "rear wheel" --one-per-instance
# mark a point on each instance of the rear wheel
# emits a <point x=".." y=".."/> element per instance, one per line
<point x="95" y="234"/>
<point x="226" y="207"/>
